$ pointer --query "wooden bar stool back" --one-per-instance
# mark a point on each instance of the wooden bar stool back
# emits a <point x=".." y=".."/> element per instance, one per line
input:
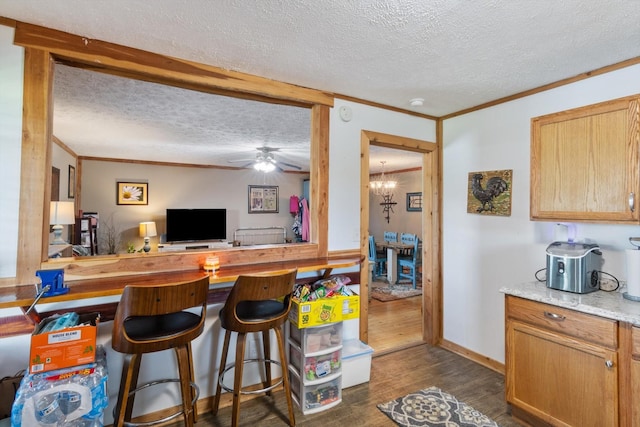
<point x="156" y="318"/>
<point x="257" y="303"/>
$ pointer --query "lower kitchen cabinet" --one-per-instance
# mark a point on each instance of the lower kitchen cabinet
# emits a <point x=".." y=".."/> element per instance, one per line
<point x="634" y="394"/>
<point x="561" y="365"/>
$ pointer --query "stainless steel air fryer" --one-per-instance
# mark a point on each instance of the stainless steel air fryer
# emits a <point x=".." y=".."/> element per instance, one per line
<point x="574" y="267"/>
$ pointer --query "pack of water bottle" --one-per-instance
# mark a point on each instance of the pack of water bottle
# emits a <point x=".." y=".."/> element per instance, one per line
<point x="73" y="397"/>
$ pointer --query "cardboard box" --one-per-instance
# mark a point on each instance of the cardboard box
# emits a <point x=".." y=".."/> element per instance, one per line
<point x="324" y="311"/>
<point x="356" y="363"/>
<point x="351" y="307"/>
<point x="65" y="348"/>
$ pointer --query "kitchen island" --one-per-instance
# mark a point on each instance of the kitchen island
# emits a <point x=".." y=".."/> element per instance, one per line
<point x="572" y="359"/>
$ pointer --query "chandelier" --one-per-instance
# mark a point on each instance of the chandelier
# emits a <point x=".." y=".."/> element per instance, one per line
<point x="383" y="186"/>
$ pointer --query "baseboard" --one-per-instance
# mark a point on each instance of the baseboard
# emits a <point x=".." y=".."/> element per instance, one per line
<point x="494" y="365"/>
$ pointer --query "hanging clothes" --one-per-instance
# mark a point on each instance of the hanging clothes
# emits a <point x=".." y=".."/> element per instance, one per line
<point x="294" y="204"/>
<point x="305" y="220"/>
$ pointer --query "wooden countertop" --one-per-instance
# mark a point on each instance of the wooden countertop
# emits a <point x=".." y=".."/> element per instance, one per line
<point x="23" y="296"/>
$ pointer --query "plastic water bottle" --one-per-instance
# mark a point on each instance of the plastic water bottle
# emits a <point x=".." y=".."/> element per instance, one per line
<point x="85" y="422"/>
<point x="48" y="410"/>
<point x="69" y="401"/>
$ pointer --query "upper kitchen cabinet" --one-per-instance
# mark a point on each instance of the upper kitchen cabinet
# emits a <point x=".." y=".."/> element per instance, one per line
<point x="585" y="163"/>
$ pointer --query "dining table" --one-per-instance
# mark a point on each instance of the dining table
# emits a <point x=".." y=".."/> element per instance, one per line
<point x="393" y="249"/>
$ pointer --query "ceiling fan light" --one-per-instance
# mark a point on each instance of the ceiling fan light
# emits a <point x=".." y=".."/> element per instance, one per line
<point x="264" y="166"/>
<point x="269" y="167"/>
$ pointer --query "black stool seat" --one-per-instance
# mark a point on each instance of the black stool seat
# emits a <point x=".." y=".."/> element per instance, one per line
<point x="257" y="311"/>
<point x="144" y="328"/>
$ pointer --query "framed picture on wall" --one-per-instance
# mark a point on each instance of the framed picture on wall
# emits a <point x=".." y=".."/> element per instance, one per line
<point x="71" y="189"/>
<point x="263" y="199"/>
<point x="414" y="202"/>
<point x="489" y="192"/>
<point x="132" y="193"/>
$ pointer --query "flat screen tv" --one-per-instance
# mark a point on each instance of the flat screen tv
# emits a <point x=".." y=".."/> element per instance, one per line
<point x="189" y="225"/>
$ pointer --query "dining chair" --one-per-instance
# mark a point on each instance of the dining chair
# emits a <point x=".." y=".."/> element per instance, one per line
<point x="378" y="257"/>
<point x="390" y="236"/>
<point x="411" y="263"/>
<point x="407" y="239"/>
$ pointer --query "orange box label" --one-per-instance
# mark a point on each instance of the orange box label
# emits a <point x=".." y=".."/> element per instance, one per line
<point x="65" y="348"/>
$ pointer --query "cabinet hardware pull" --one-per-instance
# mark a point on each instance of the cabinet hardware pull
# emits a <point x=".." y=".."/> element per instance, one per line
<point x="632" y="201"/>
<point x="608" y="364"/>
<point x="554" y="316"/>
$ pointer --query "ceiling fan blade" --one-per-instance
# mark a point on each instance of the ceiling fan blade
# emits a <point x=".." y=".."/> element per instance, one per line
<point x="241" y="160"/>
<point x="267" y="149"/>
<point x="290" y="165"/>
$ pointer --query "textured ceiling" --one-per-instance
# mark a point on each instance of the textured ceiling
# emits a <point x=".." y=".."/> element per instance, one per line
<point x="102" y="115"/>
<point x="455" y="54"/>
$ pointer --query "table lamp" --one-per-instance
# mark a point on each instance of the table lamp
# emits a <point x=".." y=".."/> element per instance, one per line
<point x="147" y="230"/>
<point x="61" y="214"/>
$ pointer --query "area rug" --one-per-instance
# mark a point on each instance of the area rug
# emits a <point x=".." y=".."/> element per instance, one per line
<point x="433" y="407"/>
<point x="385" y="292"/>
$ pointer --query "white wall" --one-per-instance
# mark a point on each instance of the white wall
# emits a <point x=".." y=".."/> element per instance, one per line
<point x="483" y="253"/>
<point x="344" y="163"/>
<point x="11" y="71"/>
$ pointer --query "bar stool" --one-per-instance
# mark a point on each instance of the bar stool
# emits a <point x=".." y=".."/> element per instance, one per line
<point x="257" y="303"/>
<point x="156" y="318"/>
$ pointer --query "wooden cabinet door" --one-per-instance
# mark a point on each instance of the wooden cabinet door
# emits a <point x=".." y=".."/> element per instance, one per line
<point x="561" y="380"/>
<point x="585" y="164"/>
<point x="634" y="395"/>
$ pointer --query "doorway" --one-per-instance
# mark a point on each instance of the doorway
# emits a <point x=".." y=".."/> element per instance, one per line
<point x="393" y="300"/>
<point x="431" y="296"/>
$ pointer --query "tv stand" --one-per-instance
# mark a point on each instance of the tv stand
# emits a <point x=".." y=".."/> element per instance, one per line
<point x="187" y="246"/>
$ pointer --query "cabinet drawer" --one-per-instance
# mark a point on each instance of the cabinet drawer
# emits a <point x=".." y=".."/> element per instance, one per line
<point x="569" y="322"/>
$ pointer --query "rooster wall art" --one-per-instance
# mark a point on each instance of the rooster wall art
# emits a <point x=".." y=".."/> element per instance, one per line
<point x="490" y="192"/>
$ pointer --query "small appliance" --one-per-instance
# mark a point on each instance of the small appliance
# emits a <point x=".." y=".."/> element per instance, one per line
<point x="574" y="267"/>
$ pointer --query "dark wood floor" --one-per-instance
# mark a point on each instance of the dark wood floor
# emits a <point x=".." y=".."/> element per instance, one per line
<point x="392" y="375"/>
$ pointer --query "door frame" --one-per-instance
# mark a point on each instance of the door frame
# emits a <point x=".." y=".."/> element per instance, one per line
<point x="431" y="272"/>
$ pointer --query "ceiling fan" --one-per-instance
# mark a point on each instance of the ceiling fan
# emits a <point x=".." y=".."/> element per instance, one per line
<point x="265" y="161"/>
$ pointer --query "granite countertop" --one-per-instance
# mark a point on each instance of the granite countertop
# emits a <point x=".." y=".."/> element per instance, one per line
<point x="610" y="305"/>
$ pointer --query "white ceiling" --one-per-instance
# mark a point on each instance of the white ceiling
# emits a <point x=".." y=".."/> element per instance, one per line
<point x="455" y="54"/>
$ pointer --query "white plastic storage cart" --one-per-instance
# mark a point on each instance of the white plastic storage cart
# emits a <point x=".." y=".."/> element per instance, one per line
<point x="315" y="366"/>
